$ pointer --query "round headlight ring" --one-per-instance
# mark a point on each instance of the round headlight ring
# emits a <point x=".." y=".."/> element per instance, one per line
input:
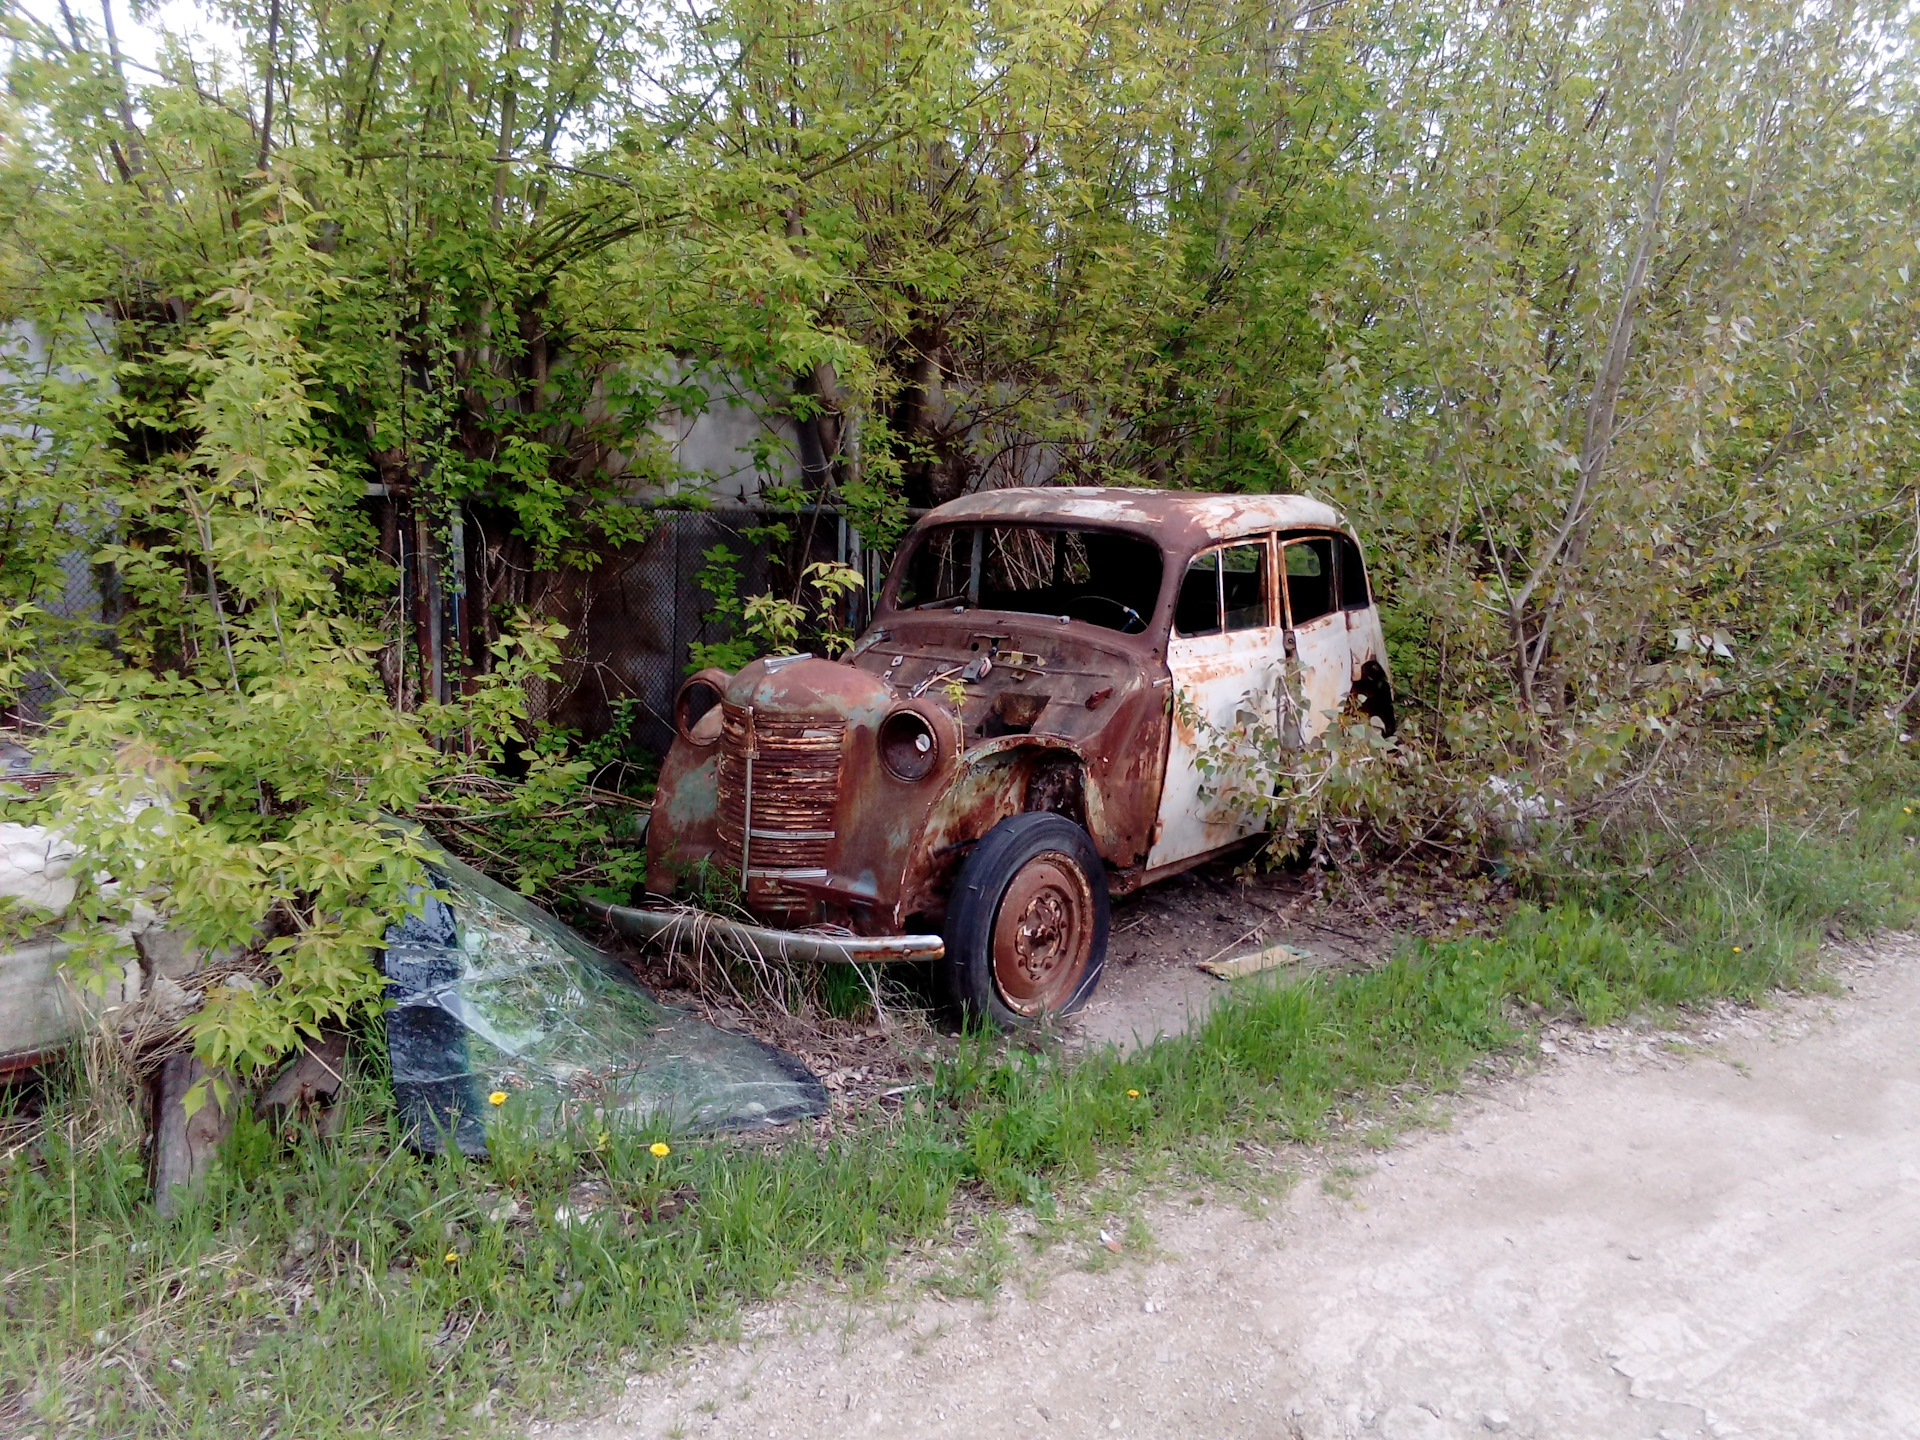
<point x="698" y="699"/>
<point x="909" y="745"/>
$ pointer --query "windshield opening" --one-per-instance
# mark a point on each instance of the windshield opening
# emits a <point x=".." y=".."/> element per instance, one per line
<point x="1104" y="577"/>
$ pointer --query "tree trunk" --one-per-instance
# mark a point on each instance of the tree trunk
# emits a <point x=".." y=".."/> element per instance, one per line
<point x="310" y="1084"/>
<point x="1568" y="544"/>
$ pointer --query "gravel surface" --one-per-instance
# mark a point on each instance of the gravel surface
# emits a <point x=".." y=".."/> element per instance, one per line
<point x="1709" y="1232"/>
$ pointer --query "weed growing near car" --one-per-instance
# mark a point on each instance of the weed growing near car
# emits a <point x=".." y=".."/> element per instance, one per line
<point x="348" y="1287"/>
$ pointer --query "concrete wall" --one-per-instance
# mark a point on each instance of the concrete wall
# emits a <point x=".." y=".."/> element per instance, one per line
<point x="715" y="448"/>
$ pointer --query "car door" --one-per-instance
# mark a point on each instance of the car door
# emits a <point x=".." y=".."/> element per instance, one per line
<point x="1366" y="645"/>
<point x="1226" y="645"/>
<point x="1317" y="641"/>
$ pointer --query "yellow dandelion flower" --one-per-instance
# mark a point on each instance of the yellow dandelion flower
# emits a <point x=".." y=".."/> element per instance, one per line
<point x="1133" y="1094"/>
<point x="499" y="1097"/>
<point x="659" y="1149"/>
<point x="453" y="1257"/>
<point x="1736" y="949"/>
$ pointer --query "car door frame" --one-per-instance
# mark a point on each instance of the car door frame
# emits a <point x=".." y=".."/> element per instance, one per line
<point x="1321" y="647"/>
<point x="1188" y="830"/>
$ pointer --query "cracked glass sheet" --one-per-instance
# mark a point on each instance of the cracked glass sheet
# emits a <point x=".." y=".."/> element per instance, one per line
<point x="489" y="993"/>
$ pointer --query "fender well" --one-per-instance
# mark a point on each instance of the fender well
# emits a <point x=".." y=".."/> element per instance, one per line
<point x="1010" y="775"/>
<point x="1057" y="783"/>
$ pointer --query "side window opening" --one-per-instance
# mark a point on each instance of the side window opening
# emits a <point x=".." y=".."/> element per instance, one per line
<point x="1353" y="577"/>
<point x="1309" y="579"/>
<point x="1243" y="585"/>
<point x="1198" y="609"/>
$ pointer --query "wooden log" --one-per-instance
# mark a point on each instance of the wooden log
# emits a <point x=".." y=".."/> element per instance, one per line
<point x="184" y="1146"/>
<point x="311" y="1081"/>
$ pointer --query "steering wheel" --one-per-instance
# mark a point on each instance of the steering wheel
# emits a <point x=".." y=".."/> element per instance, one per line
<point x="1131" y="623"/>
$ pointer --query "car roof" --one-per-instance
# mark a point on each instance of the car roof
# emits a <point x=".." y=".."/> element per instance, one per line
<point x="1178" y="519"/>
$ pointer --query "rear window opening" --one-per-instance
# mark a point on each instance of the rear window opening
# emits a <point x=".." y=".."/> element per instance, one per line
<point x="1353" y="577"/>
<point x="1309" y="572"/>
<point x="1104" y="577"/>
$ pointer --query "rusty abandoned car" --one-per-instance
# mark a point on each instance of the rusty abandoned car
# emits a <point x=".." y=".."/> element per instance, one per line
<point x="1001" y="750"/>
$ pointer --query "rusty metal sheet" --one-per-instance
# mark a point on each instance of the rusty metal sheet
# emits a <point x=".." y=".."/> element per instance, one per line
<point x="1185" y="521"/>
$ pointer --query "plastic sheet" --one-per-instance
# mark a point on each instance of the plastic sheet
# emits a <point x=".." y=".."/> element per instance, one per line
<point x="490" y="994"/>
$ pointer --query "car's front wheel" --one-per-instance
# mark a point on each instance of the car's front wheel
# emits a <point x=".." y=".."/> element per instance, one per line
<point x="1026" y="927"/>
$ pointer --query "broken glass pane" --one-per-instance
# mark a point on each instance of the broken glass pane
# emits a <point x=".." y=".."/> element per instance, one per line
<point x="488" y="993"/>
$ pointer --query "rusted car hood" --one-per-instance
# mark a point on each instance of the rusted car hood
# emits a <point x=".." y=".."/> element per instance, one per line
<point x="834" y="836"/>
<point x="1012" y="674"/>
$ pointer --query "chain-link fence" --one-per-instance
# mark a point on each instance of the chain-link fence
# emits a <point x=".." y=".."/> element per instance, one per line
<point x="75" y="596"/>
<point x="637" y="615"/>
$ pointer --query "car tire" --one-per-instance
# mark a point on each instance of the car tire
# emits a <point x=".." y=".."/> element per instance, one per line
<point x="1375" y="695"/>
<point x="1027" y="921"/>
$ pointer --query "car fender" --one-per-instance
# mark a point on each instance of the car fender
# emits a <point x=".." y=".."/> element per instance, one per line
<point x="1005" y="776"/>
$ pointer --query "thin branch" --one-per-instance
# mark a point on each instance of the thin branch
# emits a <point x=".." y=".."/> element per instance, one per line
<point x="1604" y="402"/>
<point x="266" y="108"/>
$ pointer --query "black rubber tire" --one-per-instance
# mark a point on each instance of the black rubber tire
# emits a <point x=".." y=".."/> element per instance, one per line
<point x="973" y="907"/>
<point x="1375" y="693"/>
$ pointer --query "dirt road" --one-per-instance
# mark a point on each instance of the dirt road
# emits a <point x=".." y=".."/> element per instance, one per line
<point x="1642" y="1240"/>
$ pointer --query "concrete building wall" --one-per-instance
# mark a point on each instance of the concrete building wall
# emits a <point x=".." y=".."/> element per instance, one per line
<point x="719" y="450"/>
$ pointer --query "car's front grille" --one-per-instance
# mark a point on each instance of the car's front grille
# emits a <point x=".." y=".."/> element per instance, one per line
<point x="796" y="789"/>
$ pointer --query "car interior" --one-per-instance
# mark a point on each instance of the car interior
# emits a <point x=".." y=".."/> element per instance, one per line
<point x="1104" y="577"/>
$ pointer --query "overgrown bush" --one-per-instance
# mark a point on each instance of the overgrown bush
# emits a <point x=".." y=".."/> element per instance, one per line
<point x="228" y="758"/>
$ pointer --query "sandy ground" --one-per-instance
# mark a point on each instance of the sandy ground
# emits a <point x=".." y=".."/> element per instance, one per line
<point x="1716" y="1234"/>
<point x="1152" y="984"/>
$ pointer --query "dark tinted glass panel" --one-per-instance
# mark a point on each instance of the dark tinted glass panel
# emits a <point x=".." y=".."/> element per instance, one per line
<point x="1353" y="577"/>
<point x="1198" y="612"/>
<point x="1309" y="579"/>
<point x="1103" y="577"/>
<point x="1243" y="585"/>
<point x="939" y="570"/>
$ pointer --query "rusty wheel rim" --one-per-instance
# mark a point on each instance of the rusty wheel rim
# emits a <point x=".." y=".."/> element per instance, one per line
<point x="1043" y="935"/>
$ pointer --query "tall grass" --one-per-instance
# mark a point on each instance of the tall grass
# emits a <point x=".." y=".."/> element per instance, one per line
<point x="348" y="1287"/>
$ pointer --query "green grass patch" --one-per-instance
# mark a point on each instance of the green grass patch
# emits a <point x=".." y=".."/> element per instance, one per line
<point x="347" y="1287"/>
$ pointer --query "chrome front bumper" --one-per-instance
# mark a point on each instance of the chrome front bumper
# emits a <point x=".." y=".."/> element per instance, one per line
<point x="686" y="928"/>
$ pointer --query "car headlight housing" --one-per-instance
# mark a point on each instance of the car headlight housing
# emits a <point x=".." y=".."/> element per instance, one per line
<point x="696" y="709"/>
<point x="909" y="745"/>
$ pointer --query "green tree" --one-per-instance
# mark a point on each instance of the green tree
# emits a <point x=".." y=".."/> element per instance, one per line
<point x="1056" y="240"/>
<point x="231" y="757"/>
<point x="1621" y="377"/>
